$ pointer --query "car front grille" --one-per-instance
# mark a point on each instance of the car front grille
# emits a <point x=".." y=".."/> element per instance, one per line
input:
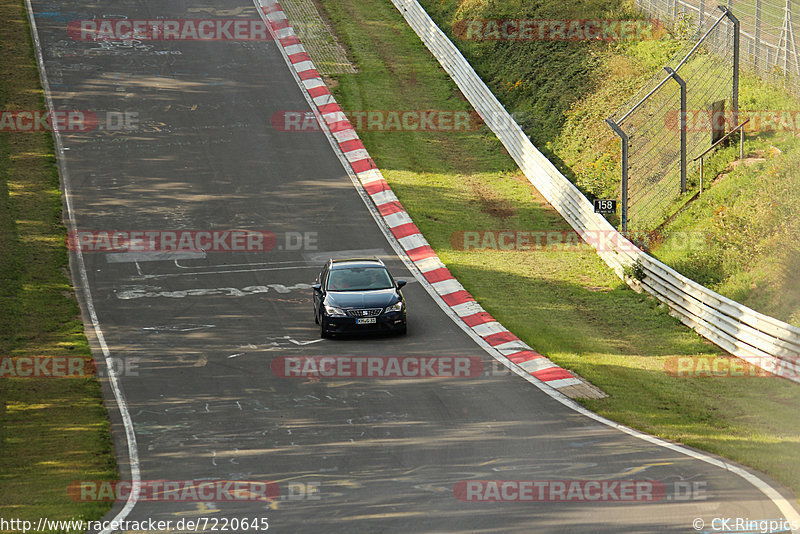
<point x="370" y="312"/>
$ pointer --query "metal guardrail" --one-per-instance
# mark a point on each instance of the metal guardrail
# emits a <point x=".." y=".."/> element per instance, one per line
<point x="762" y="340"/>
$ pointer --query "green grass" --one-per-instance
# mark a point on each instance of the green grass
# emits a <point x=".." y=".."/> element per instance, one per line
<point x="52" y="431"/>
<point x="750" y="214"/>
<point x="749" y="256"/>
<point x="567" y="305"/>
<point x="564" y="92"/>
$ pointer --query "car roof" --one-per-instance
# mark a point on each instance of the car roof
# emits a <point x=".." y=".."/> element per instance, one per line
<point x="356" y="262"/>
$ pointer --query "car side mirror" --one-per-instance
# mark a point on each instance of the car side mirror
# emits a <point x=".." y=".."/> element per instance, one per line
<point x="316" y="287"/>
<point x="401" y="283"/>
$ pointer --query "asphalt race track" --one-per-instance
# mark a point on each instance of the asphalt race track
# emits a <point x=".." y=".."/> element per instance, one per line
<point x="197" y="333"/>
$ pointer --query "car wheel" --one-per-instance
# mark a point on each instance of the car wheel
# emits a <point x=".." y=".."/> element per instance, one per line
<point x="322" y="329"/>
<point x="403" y="331"/>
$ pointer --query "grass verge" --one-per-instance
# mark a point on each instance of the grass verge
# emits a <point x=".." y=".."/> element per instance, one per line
<point x="745" y="246"/>
<point x="567" y="305"/>
<point x="52" y="431"/>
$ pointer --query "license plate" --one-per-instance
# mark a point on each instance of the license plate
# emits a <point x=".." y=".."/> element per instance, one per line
<point x="366" y="320"/>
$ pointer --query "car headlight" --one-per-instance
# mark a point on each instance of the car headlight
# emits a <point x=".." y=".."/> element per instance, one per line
<point x="398" y="306"/>
<point x="334" y="311"/>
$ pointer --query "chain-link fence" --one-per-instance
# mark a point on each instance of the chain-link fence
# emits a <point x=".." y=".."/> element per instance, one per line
<point x="768" y="32"/>
<point x="698" y="86"/>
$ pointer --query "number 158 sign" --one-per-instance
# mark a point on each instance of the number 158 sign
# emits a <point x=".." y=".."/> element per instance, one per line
<point x="605" y="206"/>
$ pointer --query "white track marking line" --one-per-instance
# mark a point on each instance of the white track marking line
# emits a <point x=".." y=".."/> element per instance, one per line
<point x="130" y="435"/>
<point x="195" y="273"/>
<point x="228" y="265"/>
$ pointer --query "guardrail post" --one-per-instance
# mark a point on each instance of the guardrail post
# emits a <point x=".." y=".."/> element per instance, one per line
<point x="624" y="201"/>
<point x="682" y="84"/>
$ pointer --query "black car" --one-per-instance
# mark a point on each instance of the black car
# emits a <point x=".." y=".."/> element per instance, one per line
<point x="358" y="296"/>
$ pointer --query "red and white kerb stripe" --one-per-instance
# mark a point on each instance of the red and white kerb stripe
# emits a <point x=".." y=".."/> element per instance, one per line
<point x="401" y="225"/>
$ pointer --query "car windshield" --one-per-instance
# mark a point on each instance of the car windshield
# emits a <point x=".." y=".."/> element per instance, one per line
<point x="359" y="279"/>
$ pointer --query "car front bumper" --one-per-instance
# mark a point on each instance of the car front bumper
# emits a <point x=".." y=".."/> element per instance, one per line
<point x="385" y="322"/>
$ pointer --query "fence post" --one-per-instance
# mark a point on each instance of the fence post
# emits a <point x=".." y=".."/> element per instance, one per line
<point x="735" y="89"/>
<point x="682" y="84"/>
<point x="624" y="201"/>
<point x="789" y="16"/>
<point x="700" y="12"/>
<point x="757" y="35"/>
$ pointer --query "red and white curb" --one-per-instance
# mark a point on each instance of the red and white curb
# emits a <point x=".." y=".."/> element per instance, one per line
<point x="399" y="222"/>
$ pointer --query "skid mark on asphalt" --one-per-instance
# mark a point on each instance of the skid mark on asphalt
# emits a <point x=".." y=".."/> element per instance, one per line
<point x="203" y="292"/>
<point x="201" y="509"/>
<point x="178" y="327"/>
<point x="235" y="12"/>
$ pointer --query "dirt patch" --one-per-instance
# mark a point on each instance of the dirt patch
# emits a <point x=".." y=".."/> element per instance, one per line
<point x="332" y="83"/>
<point x="596" y="289"/>
<point x="490" y="201"/>
<point x="747" y="162"/>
